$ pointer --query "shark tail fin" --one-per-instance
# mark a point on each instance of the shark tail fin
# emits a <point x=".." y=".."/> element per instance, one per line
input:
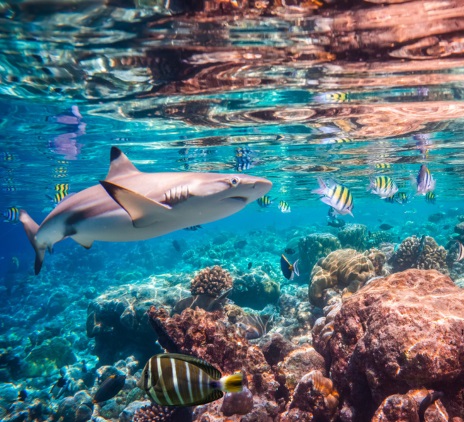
<point x="31" y="228"/>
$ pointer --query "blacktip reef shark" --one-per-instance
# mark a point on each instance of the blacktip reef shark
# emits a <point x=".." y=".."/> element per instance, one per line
<point x="131" y="205"/>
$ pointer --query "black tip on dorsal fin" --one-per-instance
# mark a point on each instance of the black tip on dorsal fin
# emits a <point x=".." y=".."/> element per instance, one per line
<point x="120" y="165"/>
<point x="115" y="153"/>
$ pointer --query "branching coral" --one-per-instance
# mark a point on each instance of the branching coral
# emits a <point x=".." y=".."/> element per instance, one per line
<point x="211" y="281"/>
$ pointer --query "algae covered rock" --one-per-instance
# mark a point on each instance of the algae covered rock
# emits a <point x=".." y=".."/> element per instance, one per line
<point x="398" y="333"/>
<point x="341" y="269"/>
<point x="49" y="357"/>
<point x="255" y="290"/>
<point x="354" y="236"/>
<point x="315" y="246"/>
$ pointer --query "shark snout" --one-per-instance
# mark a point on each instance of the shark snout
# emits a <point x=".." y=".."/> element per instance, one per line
<point x="257" y="187"/>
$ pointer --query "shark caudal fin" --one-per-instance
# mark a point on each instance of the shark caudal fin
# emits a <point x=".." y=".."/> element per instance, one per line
<point x="31" y="228"/>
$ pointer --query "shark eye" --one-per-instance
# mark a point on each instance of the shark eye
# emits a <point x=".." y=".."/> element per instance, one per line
<point x="234" y="181"/>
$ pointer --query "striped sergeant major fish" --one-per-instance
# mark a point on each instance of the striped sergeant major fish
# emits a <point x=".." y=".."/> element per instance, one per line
<point x="460" y="255"/>
<point x="11" y="214"/>
<point x="337" y="196"/>
<point x="264" y="201"/>
<point x="430" y="197"/>
<point x="425" y="181"/>
<point x="327" y="141"/>
<point x="383" y="186"/>
<point x="284" y="207"/>
<point x="61" y="190"/>
<point x="172" y="379"/>
<point x="382" y="166"/>
<point x="333" y="97"/>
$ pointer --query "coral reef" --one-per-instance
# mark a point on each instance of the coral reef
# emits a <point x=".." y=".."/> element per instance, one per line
<point x="207" y="336"/>
<point x="378" y="259"/>
<point x="298" y="363"/>
<point x="118" y="320"/>
<point x="422" y="253"/>
<point x="255" y="290"/>
<point x="211" y="281"/>
<point x="415" y="405"/>
<point x="375" y="239"/>
<point x="343" y="269"/>
<point x="313" y="247"/>
<point x="155" y="413"/>
<point x="237" y="403"/>
<point x="353" y="236"/>
<point x="398" y="333"/>
<point x="49" y="357"/>
<point x="315" y="398"/>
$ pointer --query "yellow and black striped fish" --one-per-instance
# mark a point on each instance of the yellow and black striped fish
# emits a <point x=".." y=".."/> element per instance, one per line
<point x="284" y="206"/>
<point x="264" y="201"/>
<point x="383" y="186"/>
<point x="430" y="197"/>
<point x="11" y="215"/>
<point x="336" y="141"/>
<point x="337" y="196"/>
<point x="383" y="166"/>
<point x="173" y="379"/>
<point x="61" y="189"/>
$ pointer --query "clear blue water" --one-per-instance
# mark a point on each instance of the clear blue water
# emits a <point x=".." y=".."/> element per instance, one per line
<point x="179" y="94"/>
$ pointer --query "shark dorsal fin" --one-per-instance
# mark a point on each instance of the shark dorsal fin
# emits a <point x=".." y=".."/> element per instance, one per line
<point x="120" y="165"/>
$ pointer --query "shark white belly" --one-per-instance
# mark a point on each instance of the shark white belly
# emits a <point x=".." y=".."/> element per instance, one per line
<point x="130" y="205"/>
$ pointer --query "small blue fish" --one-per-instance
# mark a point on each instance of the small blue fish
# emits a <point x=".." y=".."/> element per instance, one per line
<point x="11" y="215"/>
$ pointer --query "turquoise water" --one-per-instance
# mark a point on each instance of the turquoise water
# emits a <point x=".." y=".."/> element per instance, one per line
<point x="184" y="92"/>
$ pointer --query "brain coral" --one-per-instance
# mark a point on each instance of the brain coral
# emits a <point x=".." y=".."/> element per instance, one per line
<point x="422" y="253"/>
<point x="211" y="281"/>
<point x="345" y="268"/>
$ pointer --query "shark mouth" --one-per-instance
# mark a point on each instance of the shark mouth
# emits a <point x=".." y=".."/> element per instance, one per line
<point x="238" y="198"/>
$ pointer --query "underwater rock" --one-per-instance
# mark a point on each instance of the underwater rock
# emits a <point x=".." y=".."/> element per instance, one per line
<point x="422" y="253"/>
<point x="398" y="333"/>
<point x="237" y="403"/>
<point x="378" y="259"/>
<point x="78" y="408"/>
<point x="255" y="290"/>
<point x="119" y="323"/>
<point x="459" y="228"/>
<point x="48" y="358"/>
<point x="323" y="328"/>
<point x="342" y="269"/>
<point x="316" y="399"/>
<point x="414" y="406"/>
<point x="211" y="281"/>
<point x="353" y="236"/>
<point x="276" y="348"/>
<point x="313" y="247"/>
<point x="207" y="336"/>
<point x="375" y="239"/>
<point x="298" y="363"/>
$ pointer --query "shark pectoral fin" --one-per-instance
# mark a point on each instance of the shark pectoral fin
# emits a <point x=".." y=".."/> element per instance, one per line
<point x="142" y="210"/>
<point x="86" y="243"/>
